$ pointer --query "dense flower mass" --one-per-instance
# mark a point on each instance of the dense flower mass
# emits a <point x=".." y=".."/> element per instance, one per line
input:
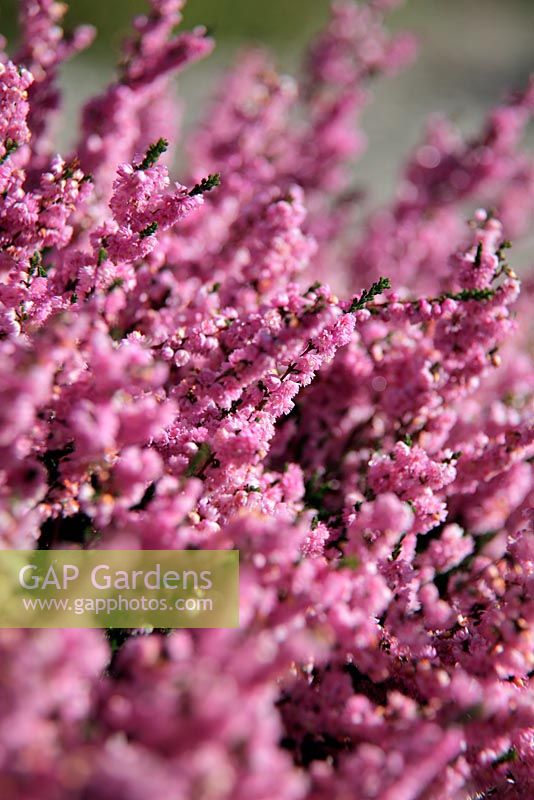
<point x="178" y="371"/>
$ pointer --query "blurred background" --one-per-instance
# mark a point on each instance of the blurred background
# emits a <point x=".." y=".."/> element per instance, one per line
<point x="471" y="52"/>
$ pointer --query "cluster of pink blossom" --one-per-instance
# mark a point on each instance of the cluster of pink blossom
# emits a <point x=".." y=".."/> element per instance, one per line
<point x="176" y="373"/>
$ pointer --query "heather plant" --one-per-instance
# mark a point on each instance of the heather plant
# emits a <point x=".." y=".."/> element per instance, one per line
<point x="178" y="371"/>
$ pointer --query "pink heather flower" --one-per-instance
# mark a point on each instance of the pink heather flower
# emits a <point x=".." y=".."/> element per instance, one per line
<point x="176" y="373"/>
<point x="14" y="131"/>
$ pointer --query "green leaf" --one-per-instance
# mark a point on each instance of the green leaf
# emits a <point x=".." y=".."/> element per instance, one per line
<point x="153" y="153"/>
<point x="348" y="562"/>
<point x="199" y="461"/>
<point x="506" y="757"/>
<point x="149" y="230"/>
<point x="369" y="294"/>
<point x="206" y="185"/>
<point x="11" y="146"/>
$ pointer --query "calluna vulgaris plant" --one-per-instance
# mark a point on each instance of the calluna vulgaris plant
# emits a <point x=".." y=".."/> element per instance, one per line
<point x="176" y="373"/>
